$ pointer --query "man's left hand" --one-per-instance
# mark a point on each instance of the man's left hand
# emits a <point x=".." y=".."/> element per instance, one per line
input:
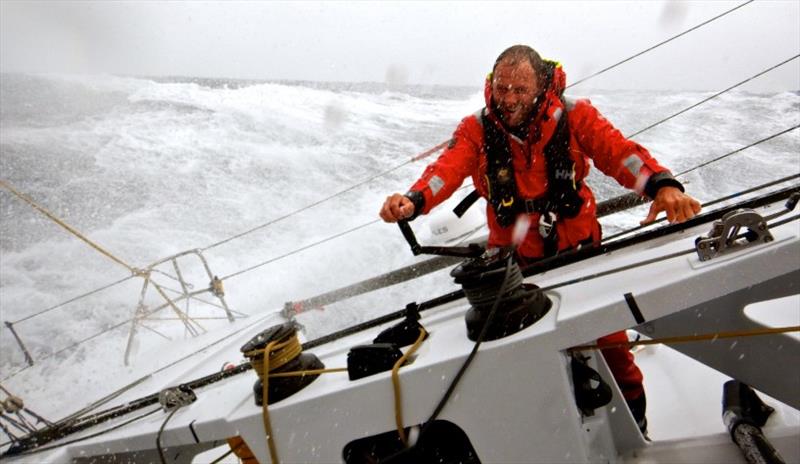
<point x="678" y="206"/>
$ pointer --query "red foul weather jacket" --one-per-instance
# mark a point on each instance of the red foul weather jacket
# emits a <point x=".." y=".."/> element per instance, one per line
<point x="591" y="136"/>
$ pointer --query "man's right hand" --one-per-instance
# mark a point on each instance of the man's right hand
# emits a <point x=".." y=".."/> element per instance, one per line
<point x="396" y="208"/>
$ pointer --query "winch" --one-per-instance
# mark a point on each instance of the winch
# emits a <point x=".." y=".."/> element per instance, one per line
<point x="284" y="353"/>
<point x="487" y="278"/>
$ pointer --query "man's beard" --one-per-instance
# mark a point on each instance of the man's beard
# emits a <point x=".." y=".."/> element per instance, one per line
<point x="521" y="129"/>
<point x="501" y="114"/>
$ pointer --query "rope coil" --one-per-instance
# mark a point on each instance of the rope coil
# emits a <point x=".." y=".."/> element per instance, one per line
<point x="279" y="353"/>
<point x="288" y="347"/>
<point x="264" y="359"/>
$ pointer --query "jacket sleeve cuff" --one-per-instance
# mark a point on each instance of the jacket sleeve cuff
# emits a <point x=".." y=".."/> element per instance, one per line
<point x="418" y="199"/>
<point x="660" y="180"/>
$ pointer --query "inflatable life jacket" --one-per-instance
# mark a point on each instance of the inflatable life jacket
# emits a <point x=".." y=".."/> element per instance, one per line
<point x="562" y="199"/>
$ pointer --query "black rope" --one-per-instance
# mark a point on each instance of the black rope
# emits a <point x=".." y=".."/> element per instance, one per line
<point x="370" y="179"/>
<point x="311" y="245"/>
<point x="588" y="253"/>
<point x="228" y="453"/>
<point x="474" y="351"/>
<point x="659" y="44"/>
<point x="160" y="432"/>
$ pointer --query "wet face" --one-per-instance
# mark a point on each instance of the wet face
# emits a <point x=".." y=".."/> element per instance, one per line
<point x="514" y="90"/>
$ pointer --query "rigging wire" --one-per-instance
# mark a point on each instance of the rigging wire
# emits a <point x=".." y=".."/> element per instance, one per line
<point x="311" y="245"/>
<point x="443" y="144"/>
<point x="415" y="158"/>
<point x="737" y="150"/>
<point x="629" y="136"/>
<point x="75" y="344"/>
<point x="708" y="21"/>
<point x="397" y="167"/>
<point x="309" y="206"/>
<point x="298" y="250"/>
<point x="102" y="432"/>
<point x="330" y="197"/>
<point x="271" y="260"/>
<point x="705" y="205"/>
<point x="712" y="96"/>
<point x="584" y="278"/>
<point x="71" y="300"/>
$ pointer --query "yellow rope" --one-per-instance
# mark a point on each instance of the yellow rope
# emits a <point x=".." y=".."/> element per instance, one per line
<point x="308" y="372"/>
<point x="279" y="355"/>
<point x="143" y="273"/>
<point x="398" y="399"/>
<point x="67" y="227"/>
<point x="275" y="355"/>
<point x="686" y="338"/>
<point x="273" y="451"/>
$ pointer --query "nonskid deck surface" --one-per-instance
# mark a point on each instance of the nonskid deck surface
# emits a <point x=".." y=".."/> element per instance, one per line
<point x="683" y="395"/>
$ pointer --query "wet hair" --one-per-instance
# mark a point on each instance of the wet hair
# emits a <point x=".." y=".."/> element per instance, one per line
<point x="516" y="53"/>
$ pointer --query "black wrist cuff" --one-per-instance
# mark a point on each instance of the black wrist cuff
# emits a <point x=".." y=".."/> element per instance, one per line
<point x="660" y="180"/>
<point x="419" y="203"/>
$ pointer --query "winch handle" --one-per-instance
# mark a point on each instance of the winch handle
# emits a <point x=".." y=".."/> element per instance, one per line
<point x="408" y="234"/>
<point x="472" y="251"/>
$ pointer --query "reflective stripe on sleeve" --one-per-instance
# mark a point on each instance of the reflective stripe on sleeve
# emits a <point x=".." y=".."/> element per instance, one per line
<point x="436" y="183"/>
<point x="634" y="164"/>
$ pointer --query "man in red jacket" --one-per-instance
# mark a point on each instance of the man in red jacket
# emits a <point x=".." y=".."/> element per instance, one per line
<point x="528" y="154"/>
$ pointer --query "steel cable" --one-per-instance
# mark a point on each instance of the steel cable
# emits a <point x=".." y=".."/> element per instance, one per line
<point x="443" y="144"/>
<point x="708" y="21"/>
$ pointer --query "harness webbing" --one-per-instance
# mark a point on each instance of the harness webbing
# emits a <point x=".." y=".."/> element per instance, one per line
<point x="562" y="197"/>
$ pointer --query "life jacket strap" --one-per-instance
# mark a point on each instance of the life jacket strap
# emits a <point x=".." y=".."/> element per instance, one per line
<point x="465" y="204"/>
<point x="530" y="206"/>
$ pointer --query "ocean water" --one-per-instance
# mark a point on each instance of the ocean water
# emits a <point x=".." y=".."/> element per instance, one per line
<point x="150" y="168"/>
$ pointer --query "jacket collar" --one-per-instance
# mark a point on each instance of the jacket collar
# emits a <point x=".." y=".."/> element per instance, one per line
<point x="546" y="102"/>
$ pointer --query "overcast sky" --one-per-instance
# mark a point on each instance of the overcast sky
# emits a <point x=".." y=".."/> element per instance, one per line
<point x="405" y="42"/>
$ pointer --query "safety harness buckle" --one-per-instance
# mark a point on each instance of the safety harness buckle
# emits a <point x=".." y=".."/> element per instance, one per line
<point x="547" y="223"/>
